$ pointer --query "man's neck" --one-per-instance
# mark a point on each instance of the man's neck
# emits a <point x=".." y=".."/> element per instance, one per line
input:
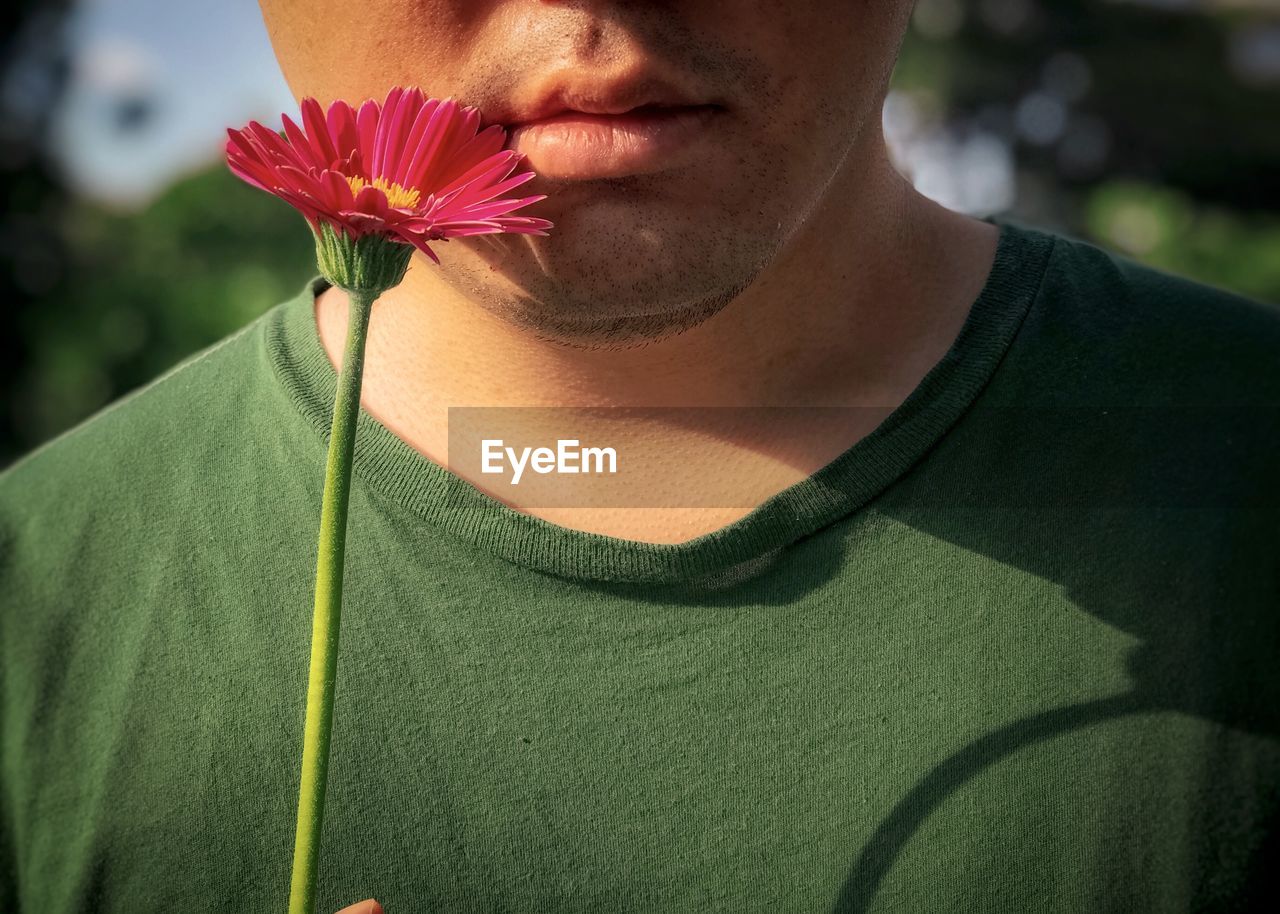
<point x="864" y="300"/>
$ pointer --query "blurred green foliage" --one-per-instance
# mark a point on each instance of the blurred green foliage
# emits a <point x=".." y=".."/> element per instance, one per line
<point x="147" y="289"/>
<point x="1164" y="227"/>
<point x="1189" y="119"/>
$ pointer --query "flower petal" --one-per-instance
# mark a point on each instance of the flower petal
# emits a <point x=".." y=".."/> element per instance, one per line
<point x="301" y="146"/>
<point x="387" y="118"/>
<point x="484" y="144"/>
<point x="371" y="199"/>
<point x="432" y="147"/>
<point x="318" y="132"/>
<point x="401" y="122"/>
<point x="420" y="242"/>
<point x="493" y="208"/>
<point x="491" y="169"/>
<point x="415" y="142"/>
<point x="481" y="193"/>
<point x="341" y="121"/>
<point x="367" y="128"/>
<point x="338" y="189"/>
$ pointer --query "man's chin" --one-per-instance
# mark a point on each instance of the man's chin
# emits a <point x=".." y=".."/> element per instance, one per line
<point x="586" y="330"/>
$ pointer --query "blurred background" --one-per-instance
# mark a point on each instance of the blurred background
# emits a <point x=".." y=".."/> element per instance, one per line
<point x="1149" y="127"/>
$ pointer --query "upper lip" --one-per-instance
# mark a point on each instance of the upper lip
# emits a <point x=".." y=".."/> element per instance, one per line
<point x="590" y="95"/>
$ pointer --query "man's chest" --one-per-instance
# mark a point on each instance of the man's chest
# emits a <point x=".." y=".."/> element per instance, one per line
<point x="942" y="735"/>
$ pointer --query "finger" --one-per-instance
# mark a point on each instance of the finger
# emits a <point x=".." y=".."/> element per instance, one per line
<point x="368" y="906"/>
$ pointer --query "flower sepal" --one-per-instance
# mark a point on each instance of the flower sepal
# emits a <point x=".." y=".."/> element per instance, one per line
<point x="371" y="264"/>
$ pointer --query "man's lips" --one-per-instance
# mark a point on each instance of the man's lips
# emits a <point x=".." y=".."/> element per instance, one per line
<point x="576" y="145"/>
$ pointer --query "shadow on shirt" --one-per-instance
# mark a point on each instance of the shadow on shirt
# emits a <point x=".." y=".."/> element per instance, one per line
<point x="1184" y="504"/>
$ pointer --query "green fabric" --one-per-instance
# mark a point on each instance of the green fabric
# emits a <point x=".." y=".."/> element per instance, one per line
<point x="1014" y="651"/>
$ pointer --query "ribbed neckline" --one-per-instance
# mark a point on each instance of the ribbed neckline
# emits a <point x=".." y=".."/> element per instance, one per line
<point x="386" y="463"/>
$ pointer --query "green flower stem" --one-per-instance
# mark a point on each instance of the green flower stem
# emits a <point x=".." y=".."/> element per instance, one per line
<point x="325" y="624"/>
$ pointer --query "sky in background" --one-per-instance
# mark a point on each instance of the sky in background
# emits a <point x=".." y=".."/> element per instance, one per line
<point x="154" y="84"/>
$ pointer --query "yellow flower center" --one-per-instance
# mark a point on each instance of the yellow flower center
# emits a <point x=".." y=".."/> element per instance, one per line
<point x="397" y="196"/>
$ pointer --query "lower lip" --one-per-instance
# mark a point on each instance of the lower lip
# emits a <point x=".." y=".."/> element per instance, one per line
<point x="575" y="145"/>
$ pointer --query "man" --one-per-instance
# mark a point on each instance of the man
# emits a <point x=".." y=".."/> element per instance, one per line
<point x="991" y="627"/>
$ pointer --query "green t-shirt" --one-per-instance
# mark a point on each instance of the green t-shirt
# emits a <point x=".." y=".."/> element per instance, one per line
<point x="1013" y="651"/>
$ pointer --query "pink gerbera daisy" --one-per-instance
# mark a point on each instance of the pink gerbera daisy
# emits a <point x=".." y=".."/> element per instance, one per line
<point x="412" y="170"/>
<point x="374" y="184"/>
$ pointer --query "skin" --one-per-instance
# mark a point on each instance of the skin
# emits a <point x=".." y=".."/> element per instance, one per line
<point x="368" y="906"/>
<point x="790" y="265"/>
